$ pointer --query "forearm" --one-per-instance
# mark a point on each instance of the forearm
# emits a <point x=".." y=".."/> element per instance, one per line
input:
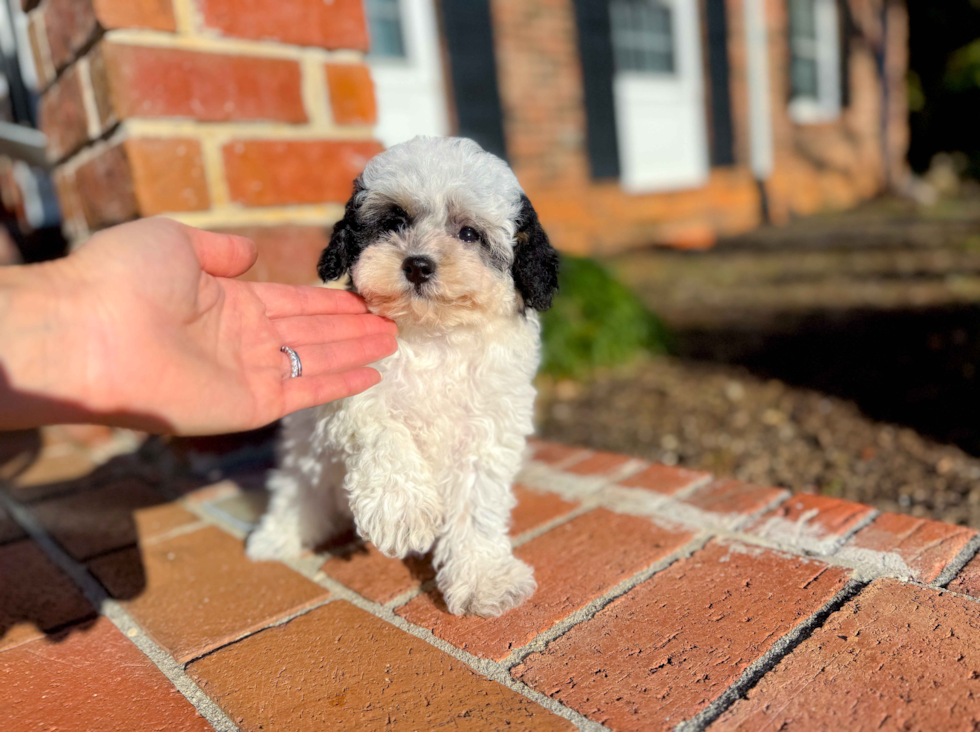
<point x="41" y="365"/>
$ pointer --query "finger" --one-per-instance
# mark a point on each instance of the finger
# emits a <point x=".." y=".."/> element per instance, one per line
<point x="304" y="392"/>
<point x="283" y="301"/>
<point x="305" y="330"/>
<point x="343" y="355"/>
<point x="222" y="255"/>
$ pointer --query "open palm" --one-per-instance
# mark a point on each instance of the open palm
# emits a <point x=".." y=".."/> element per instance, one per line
<point x="172" y="344"/>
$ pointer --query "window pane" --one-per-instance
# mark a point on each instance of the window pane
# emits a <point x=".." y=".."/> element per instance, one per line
<point x="804" y="75"/>
<point x="803" y="19"/>
<point x="803" y="49"/>
<point x="385" y="26"/>
<point x="642" y="35"/>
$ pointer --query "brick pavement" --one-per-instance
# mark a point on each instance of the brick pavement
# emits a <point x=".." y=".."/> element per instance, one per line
<point x="666" y="600"/>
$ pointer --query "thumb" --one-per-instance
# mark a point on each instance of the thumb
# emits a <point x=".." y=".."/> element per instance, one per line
<point x="223" y="255"/>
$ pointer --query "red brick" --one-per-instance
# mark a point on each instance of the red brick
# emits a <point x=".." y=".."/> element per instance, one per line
<point x="105" y="185"/>
<point x="168" y="175"/>
<point x="553" y="453"/>
<point x="147" y="81"/>
<point x="339" y="667"/>
<point x="337" y="24"/>
<point x="62" y="116"/>
<point x="97" y="680"/>
<point x="575" y="563"/>
<point x="668" y="648"/>
<point x="37" y="597"/>
<point x="600" y="463"/>
<point x="925" y="547"/>
<point x="373" y="575"/>
<point x="895" y="657"/>
<point x="152" y="14"/>
<point x="101" y="520"/>
<point x="287" y="253"/>
<point x="967" y="581"/>
<point x="72" y="213"/>
<point x="142" y="177"/>
<point x="664" y="479"/>
<point x="535" y="509"/>
<point x="202" y="592"/>
<point x="351" y="94"/>
<point x="811" y="520"/>
<point x="70" y="25"/>
<point x="282" y="172"/>
<point x="734" y="497"/>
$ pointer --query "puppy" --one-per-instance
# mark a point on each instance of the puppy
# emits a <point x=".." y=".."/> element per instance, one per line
<point x="439" y="237"/>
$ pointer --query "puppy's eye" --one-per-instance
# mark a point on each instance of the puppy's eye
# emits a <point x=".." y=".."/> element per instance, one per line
<point x="394" y="219"/>
<point x="469" y="234"/>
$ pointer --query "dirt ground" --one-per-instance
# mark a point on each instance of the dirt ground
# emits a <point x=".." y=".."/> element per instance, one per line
<point x="837" y="354"/>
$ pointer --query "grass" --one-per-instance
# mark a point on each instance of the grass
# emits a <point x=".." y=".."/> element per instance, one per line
<point x="596" y="322"/>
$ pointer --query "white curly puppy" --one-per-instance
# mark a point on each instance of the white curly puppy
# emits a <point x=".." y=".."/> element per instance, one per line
<point x="440" y="238"/>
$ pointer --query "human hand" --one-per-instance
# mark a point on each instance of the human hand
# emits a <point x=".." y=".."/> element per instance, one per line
<point x="144" y="329"/>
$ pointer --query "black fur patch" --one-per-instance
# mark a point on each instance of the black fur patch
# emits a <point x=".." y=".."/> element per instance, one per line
<point x="535" y="268"/>
<point x="346" y="242"/>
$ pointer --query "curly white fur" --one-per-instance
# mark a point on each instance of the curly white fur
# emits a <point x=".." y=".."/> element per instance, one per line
<point x="427" y="457"/>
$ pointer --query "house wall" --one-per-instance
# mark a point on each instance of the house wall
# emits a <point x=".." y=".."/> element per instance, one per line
<point x="251" y="116"/>
<point x="816" y="167"/>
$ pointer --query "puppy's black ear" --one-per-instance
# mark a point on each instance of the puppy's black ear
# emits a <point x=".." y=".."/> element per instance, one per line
<point x="535" y="269"/>
<point x="345" y="242"/>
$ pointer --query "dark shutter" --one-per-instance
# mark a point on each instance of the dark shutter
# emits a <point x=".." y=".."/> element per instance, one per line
<point x="595" y="50"/>
<point x="846" y="33"/>
<point x="719" y="73"/>
<point x="469" y="38"/>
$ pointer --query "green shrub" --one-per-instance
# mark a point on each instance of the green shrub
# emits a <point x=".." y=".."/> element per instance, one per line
<point x="595" y="321"/>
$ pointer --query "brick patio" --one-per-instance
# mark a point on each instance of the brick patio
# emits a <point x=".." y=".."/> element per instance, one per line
<point x="666" y="599"/>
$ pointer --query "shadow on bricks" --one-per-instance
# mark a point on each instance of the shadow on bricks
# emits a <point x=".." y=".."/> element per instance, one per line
<point x="106" y="517"/>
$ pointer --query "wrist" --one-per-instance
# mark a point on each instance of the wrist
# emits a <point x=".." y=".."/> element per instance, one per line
<point x="42" y="369"/>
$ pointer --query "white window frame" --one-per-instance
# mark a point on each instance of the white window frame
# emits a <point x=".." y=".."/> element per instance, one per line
<point x="825" y="107"/>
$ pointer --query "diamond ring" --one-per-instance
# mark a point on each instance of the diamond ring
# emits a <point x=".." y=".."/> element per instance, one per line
<point x="297" y="365"/>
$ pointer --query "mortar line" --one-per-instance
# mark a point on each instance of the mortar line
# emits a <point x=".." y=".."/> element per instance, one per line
<point x="687" y="491"/>
<point x="281" y="621"/>
<point x="541" y="642"/>
<point x="250" y="130"/>
<point x="309" y="567"/>
<point x="118" y="616"/>
<point x="531" y="534"/>
<point x="92" y="117"/>
<point x="860" y="525"/>
<point x="40" y="37"/>
<point x="656" y="506"/>
<point x="488" y="669"/>
<point x="770" y="659"/>
<point x="195" y="36"/>
<point x="952" y="569"/>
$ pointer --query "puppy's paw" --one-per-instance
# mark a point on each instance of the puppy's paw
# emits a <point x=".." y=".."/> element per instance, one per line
<point x="489" y="591"/>
<point x="400" y="531"/>
<point x="270" y="541"/>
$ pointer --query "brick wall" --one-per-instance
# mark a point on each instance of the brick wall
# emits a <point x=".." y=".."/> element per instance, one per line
<point x="244" y="115"/>
<point x="831" y="165"/>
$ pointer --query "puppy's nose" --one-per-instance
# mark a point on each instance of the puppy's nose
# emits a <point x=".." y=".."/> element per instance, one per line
<point x="418" y="269"/>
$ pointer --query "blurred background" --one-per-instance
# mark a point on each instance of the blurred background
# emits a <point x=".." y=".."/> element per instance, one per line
<point x="769" y="209"/>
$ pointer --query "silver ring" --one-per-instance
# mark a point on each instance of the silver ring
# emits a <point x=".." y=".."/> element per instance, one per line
<point x="294" y="361"/>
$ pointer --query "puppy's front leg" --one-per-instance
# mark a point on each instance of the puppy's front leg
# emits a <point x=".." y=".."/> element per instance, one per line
<point x="478" y="572"/>
<point x="392" y="494"/>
